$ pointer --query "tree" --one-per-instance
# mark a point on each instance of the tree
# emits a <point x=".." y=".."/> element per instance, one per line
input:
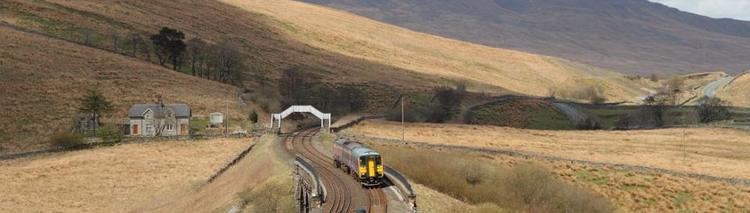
<point x="292" y="86"/>
<point x="713" y="109"/>
<point x="169" y="46"/>
<point x="654" y="77"/>
<point x="196" y="52"/>
<point x="87" y="34"/>
<point x="230" y="63"/>
<point x="115" y="42"/>
<point x="674" y="89"/>
<point x="653" y="111"/>
<point x="135" y="40"/>
<point x="448" y="102"/>
<point x="253" y="116"/>
<point x="95" y="104"/>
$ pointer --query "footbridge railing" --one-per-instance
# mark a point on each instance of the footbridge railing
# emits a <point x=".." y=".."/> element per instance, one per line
<point x="277" y="117"/>
<point x="407" y="193"/>
<point x="310" y="192"/>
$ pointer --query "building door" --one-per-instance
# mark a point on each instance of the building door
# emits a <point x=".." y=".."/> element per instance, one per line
<point x="183" y="129"/>
<point x="135" y="129"/>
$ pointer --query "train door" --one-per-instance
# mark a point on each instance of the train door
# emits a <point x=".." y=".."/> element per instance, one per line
<point x="370" y="166"/>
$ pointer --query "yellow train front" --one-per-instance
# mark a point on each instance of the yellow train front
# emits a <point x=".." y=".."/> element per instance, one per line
<point x="363" y="163"/>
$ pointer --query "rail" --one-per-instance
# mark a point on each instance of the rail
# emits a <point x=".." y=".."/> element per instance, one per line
<point x="318" y="191"/>
<point x="404" y="188"/>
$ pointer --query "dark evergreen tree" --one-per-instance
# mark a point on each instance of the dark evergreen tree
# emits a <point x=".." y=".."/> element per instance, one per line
<point x="169" y="45"/>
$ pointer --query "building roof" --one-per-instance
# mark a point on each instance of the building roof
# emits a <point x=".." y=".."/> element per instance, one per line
<point x="180" y="110"/>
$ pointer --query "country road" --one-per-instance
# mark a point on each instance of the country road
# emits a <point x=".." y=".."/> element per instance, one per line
<point x="710" y="89"/>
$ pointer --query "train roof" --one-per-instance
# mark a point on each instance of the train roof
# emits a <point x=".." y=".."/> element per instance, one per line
<point x="363" y="151"/>
<point x="357" y="148"/>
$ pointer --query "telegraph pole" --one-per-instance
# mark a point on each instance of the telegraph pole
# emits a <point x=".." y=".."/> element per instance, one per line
<point x="403" y="127"/>
<point x="226" y="118"/>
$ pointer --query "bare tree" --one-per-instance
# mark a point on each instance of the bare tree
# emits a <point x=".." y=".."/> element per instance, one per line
<point x="135" y="40"/>
<point x="115" y="41"/>
<point x="86" y="36"/>
<point x="654" y="77"/>
<point x="196" y="53"/>
<point x="230" y="63"/>
<point x="674" y="88"/>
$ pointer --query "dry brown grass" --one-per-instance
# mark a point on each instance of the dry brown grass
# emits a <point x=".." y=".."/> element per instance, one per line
<point x="737" y="93"/>
<point x="630" y="191"/>
<point x="430" y="200"/>
<point x="363" y="38"/>
<point x="648" y="192"/>
<point x="470" y="177"/>
<point x="111" y="179"/>
<point x="267" y="165"/>
<point x="715" y="152"/>
<point x="42" y="80"/>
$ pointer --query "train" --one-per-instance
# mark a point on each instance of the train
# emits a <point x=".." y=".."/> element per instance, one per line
<point x="359" y="161"/>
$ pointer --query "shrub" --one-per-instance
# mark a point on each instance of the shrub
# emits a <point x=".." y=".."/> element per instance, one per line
<point x="448" y="101"/>
<point x="253" y="116"/>
<point x="526" y="187"/>
<point x="588" y="124"/>
<point x="67" y="139"/>
<point x="417" y="109"/>
<point x="110" y="134"/>
<point x="273" y="197"/>
<point x="713" y="109"/>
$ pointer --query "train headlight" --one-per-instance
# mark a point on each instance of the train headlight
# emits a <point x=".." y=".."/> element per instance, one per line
<point x="380" y="169"/>
<point x="362" y="170"/>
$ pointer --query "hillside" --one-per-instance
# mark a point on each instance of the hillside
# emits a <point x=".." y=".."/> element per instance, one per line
<point x="737" y="92"/>
<point x="635" y="36"/>
<point x="112" y="179"/>
<point x="45" y="75"/>
<point x="356" y="51"/>
<point x="42" y="80"/>
<point x="362" y="38"/>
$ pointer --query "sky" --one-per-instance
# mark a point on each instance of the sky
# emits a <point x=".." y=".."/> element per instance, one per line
<point x="735" y="9"/>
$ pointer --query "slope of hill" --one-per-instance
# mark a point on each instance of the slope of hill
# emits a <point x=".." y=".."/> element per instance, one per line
<point x="42" y="80"/>
<point x="357" y="50"/>
<point x="737" y="92"/>
<point x="369" y="40"/>
<point x="627" y="35"/>
<point x="266" y="50"/>
<point x="112" y="179"/>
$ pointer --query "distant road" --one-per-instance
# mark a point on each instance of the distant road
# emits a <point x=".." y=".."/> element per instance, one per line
<point x="710" y="90"/>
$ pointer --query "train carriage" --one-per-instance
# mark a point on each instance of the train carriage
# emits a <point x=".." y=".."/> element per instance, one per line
<point x="365" y="164"/>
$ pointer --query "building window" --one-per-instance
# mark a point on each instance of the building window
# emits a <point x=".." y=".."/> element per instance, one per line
<point x="170" y="127"/>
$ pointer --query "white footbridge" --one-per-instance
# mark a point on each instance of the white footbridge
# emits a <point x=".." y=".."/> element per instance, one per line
<point x="325" y="118"/>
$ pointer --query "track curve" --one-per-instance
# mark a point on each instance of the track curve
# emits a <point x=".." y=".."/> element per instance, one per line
<point x="344" y="193"/>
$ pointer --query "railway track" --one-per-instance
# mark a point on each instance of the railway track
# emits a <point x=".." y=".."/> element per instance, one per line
<point x="378" y="200"/>
<point x="344" y="193"/>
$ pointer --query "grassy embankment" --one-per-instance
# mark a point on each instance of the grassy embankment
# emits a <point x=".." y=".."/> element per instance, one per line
<point x="715" y="152"/>
<point x="119" y="178"/>
<point x="469" y="177"/>
<point x="523" y="113"/>
<point x="260" y="182"/>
